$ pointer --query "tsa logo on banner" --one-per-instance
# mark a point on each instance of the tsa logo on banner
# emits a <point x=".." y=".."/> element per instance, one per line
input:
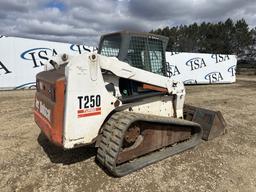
<point x="38" y="55"/>
<point x="81" y="48"/>
<point x="190" y="81"/>
<point x="220" y="58"/>
<point x="172" y="70"/>
<point x="4" y="69"/>
<point x="232" y="70"/>
<point x="196" y="63"/>
<point x="214" y="77"/>
<point x="174" y="53"/>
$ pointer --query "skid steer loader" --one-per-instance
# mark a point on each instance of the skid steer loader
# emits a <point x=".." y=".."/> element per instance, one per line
<point x="122" y="101"/>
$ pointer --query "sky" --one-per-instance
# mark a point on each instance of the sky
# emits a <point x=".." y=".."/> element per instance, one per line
<point x="83" y="21"/>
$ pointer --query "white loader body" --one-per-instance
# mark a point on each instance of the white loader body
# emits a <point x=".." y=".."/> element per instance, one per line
<point x="88" y="102"/>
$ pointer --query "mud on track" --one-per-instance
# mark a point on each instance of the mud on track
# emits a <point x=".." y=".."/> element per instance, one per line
<point x="28" y="162"/>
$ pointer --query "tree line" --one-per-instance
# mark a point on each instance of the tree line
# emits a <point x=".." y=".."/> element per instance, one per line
<point x="229" y="37"/>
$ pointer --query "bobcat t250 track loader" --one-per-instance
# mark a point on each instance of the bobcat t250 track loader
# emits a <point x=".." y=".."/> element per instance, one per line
<point x="122" y="101"/>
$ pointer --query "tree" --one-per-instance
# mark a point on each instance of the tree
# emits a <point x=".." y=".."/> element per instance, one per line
<point x="222" y="37"/>
<point x="242" y="38"/>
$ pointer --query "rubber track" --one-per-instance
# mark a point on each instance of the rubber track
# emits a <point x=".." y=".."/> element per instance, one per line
<point x="112" y="137"/>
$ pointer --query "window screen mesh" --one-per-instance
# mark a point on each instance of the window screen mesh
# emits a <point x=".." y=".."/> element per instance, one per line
<point x="156" y="55"/>
<point x="111" y="46"/>
<point x="136" y="52"/>
<point x="146" y="53"/>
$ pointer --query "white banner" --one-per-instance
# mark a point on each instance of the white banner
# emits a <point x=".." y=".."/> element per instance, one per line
<point x="200" y="68"/>
<point x="21" y="59"/>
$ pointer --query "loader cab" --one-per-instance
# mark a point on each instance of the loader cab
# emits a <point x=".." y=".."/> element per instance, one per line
<point x="142" y="50"/>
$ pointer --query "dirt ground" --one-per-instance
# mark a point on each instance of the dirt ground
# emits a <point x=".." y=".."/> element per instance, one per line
<point x="28" y="162"/>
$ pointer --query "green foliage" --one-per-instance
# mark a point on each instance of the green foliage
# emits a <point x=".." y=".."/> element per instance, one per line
<point x="227" y="37"/>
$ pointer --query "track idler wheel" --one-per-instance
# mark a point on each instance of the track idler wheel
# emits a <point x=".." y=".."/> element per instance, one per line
<point x="131" y="135"/>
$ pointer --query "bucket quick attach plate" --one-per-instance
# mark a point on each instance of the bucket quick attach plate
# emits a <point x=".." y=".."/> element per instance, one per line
<point x="212" y="122"/>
